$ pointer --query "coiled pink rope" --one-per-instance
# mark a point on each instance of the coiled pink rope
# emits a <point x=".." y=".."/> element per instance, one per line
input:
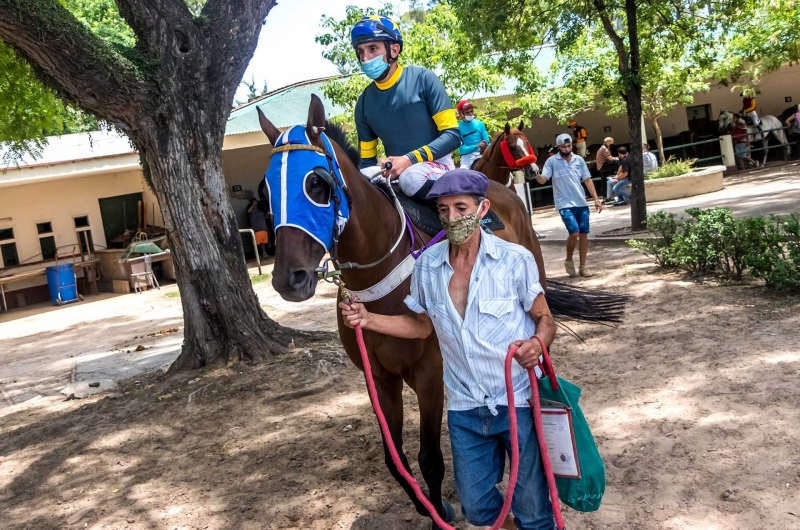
<point x="512" y="415"/>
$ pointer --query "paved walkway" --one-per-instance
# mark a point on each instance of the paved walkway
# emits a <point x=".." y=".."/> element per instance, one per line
<point x="762" y="192"/>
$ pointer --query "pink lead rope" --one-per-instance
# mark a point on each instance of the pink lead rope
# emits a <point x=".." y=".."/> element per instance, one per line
<point x="512" y="481"/>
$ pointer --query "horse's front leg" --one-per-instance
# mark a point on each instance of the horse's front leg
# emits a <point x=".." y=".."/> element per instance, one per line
<point x="428" y="383"/>
<point x="390" y="397"/>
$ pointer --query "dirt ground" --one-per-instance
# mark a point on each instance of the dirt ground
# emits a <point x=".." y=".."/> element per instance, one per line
<point x="694" y="402"/>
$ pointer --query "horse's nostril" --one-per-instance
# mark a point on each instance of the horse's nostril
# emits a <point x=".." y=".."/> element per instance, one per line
<point x="298" y="279"/>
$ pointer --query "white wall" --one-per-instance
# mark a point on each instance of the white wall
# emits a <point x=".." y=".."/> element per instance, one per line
<point x="60" y="201"/>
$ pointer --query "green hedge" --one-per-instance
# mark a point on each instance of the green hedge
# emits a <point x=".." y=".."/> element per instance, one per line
<point x="712" y="241"/>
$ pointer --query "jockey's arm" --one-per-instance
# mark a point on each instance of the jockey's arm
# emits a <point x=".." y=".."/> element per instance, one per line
<point x="367" y="139"/>
<point x="750" y="106"/>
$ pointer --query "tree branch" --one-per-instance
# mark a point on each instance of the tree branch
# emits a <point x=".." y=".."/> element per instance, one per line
<point x="613" y="35"/>
<point x="234" y="28"/>
<point x="67" y="55"/>
<point x="155" y="22"/>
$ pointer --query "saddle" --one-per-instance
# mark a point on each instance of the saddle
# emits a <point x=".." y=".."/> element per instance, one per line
<point x="427" y="219"/>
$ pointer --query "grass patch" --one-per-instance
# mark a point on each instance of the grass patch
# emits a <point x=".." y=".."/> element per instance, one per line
<point x="173" y="294"/>
<point x="258" y="278"/>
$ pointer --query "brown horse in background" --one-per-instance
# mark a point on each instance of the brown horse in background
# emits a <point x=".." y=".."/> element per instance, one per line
<point x="495" y="166"/>
<point x="373" y="227"/>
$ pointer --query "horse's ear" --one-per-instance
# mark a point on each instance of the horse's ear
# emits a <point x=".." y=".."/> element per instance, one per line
<point x="316" y="118"/>
<point x="521" y="124"/>
<point x="270" y="130"/>
<point x="507" y="128"/>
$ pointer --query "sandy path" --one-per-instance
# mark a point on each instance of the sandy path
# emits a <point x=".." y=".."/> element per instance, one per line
<point x="694" y="402"/>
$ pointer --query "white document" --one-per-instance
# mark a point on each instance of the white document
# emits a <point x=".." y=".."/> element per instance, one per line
<point x="558" y="434"/>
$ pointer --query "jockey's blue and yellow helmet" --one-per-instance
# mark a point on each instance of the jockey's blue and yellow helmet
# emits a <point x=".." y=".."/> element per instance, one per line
<point x="376" y="28"/>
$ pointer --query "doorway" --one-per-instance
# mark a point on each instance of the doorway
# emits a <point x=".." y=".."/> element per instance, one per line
<point x="119" y="213"/>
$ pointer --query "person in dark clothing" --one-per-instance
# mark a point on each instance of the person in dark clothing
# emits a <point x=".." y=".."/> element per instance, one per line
<point x="622" y="180"/>
<point x="264" y="206"/>
<point x="258" y="222"/>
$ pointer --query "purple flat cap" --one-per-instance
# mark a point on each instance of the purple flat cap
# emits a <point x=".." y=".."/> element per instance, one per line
<point x="460" y="181"/>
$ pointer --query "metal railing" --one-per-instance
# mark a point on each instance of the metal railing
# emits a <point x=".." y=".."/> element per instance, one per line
<point x="766" y="132"/>
<point x="255" y="246"/>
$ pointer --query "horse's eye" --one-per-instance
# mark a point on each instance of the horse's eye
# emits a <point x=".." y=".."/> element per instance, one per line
<point x="316" y="183"/>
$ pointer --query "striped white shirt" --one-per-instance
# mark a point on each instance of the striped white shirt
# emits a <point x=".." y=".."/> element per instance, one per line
<point x="504" y="283"/>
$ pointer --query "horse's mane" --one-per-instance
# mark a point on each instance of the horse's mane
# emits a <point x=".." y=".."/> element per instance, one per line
<point x="337" y="134"/>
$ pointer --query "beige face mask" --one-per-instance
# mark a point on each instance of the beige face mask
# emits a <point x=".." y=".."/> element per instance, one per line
<point x="459" y="229"/>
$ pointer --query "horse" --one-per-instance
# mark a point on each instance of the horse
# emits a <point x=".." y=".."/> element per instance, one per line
<point x="370" y="236"/>
<point x="768" y="123"/>
<point x="543" y="152"/>
<point x="499" y="162"/>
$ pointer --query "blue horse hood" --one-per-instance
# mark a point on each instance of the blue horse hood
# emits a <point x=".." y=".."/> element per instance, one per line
<point x="286" y="180"/>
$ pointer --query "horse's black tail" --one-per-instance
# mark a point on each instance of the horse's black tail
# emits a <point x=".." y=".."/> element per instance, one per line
<point x="568" y="302"/>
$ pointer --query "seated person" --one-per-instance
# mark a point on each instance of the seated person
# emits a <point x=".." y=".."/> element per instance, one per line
<point x="621" y="180"/>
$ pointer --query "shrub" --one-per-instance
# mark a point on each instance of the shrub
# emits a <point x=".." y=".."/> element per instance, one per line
<point x="672" y="168"/>
<point x="664" y="227"/>
<point x="713" y="241"/>
<point x="695" y="248"/>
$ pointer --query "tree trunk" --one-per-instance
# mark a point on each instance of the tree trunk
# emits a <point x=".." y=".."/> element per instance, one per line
<point x="633" y="92"/>
<point x="659" y="139"/>
<point x="172" y="97"/>
<point x="223" y="320"/>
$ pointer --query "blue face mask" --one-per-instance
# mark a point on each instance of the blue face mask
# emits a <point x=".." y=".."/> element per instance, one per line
<point x="375" y="67"/>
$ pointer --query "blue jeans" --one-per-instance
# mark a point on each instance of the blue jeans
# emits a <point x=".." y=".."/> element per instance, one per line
<point x="621" y="189"/>
<point x="480" y="442"/>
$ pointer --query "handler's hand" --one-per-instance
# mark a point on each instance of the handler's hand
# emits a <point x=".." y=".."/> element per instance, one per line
<point x="399" y="164"/>
<point x="354" y="314"/>
<point x="528" y="353"/>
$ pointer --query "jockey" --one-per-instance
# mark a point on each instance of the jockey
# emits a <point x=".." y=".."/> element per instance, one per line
<point x="407" y="108"/>
<point x="473" y="134"/>
<point x="749" y="110"/>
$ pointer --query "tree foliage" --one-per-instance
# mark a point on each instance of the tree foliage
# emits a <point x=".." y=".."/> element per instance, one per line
<point x="764" y="37"/>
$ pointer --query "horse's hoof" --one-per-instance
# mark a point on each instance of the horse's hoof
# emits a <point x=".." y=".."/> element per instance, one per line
<point x="449" y="511"/>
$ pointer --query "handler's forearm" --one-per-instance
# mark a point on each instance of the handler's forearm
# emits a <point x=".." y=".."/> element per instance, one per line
<point x="540" y="179"/>
<point x="411" y="326"/>
<point x="591" y="188"/>
<point x="546" y="329"/>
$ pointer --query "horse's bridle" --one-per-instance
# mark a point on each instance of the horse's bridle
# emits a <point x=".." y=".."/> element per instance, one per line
<point x="507" y="156"/>
<point x="327" y="176"/>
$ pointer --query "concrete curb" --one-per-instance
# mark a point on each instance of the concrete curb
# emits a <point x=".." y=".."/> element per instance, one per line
<point x="593" y="242"/>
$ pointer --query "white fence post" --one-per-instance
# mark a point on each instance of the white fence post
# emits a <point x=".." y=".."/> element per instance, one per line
<point x="726" y="148"/>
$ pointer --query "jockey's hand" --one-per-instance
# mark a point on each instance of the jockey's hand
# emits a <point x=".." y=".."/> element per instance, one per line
<point x="354" y="314"/>
<point x="528" y="353"/>
<point x="399" y="164"/>
<point x="482" y="144"/>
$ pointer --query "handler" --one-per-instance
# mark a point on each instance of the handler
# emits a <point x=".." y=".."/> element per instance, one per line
<point x="481" y="294"/>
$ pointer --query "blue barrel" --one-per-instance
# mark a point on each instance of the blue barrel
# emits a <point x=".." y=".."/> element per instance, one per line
<point x="61" y="281"/>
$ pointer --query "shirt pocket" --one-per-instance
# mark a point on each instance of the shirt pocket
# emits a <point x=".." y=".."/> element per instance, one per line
<point x="496" y="320"/>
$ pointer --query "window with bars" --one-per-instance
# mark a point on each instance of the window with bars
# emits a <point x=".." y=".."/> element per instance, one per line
<point x="9" y="253"/>
<point x="48" y="244"/>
